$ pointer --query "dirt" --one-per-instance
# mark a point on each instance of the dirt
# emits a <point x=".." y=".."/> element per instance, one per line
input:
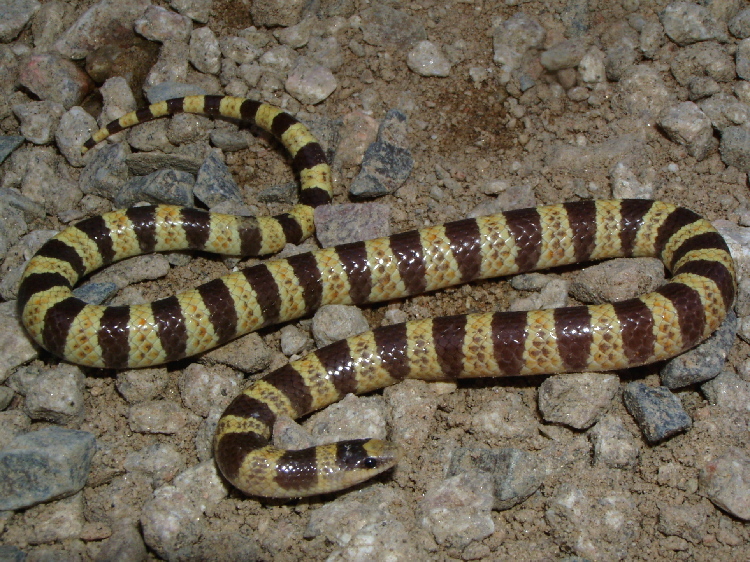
<point x="462" y="127"/>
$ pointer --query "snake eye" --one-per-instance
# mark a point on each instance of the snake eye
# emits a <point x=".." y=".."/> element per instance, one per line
<point x="370" y="462"/>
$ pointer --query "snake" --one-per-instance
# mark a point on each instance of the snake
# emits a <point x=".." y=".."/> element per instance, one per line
<point x="601" y="337"/>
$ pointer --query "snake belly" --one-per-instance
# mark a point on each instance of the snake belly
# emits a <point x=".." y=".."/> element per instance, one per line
<point x="649" y="328"/>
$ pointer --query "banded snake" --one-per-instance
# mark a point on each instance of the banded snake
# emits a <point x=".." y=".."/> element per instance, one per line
<point x="642" y="330"/>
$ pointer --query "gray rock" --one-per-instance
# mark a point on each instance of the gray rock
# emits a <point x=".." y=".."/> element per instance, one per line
<point x="334" y="322"/>
<point x="10" y="553"/>
<point x="158" y="416"/>
<point x="294" y="341"/>
<point x="205" y="54"/>
<point x="726" y="482"/>
<point x="43" y="465"/>
<point x="310" y="83"/>
<point x="426" y="59"/>
<point x="687" y="125"/>
<point x="105" y="171"/>
<point x="735" y="148"/>
<point x="703" y="59"/>
<point x="326" y="51"/>
<point x="6" y="396"/>
<point x="554" y="294"/>
<point x="700" y="87"/>
<point x="14" y="16"/>
<point x="354" y="510"/>
<point x="387" y="162"/>
<point x="566" y="54"/>
<point x="617" y="280"/>
<point x="297" y="36"/>
<point x="229" y="140"/>
<point x="687" y="22"/>
<point x="685" y="521"/>
<point x="140" y="385"/>
<point x="160" y="24"/>
<point x="641" y="92"/>
<point x="651" y="39"/>
<point x="133" y="270"/>
<point x="728" y="391"/>
<point x="457" y="511"/>
<point x="382" y="26"/>
<point x="703" y="362"/>
<point x="284" y="193"/>
<point x="12" y="423"/>
<point x="74" y="129"/>
<point x="353" y="417"/>
<point x="577" y="400"/>
<point x="172" y="524"/>
<point x="171" y="66"/>
<point x="214" y="184"/>
<point x="95" y="293"/>
<point x="342" y="224"/>
<point x="506" y="418"/>
<point x="38" y="120"/>
<point x="657" y="411"/>
<point x="513" y="38"/>
<point x="94" y="27"/>
<point x="15" y="343"/>
<point x="56" y="395"/>
<point x="279" y="59"/>
<point x="53" y="78"/>
<point x="277" y="12"/>
<point x="203" y="389"/>
<point x="161" y="462"/>
<point x="739" y="25"/>
<point x="48" y="181"/>
<point x="614" y="446"/>
<point x="389" y="538"/>
<point x="239" y="50"/>
<point x="516" y="474"/>
<point x="189" y="159"/>
<point x="168" y="90"/>
<point x="8" y="144"/>
<point x="621" y="56"/>
<point x="742" y="59"/>
<point x="591" y="66"/>
<point x="173" y="187"/>
<point x="124" y="545"/>
<point x="593" y="523"/>
<point x="248" y="354"/>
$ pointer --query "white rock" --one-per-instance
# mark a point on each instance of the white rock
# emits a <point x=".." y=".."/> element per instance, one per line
<point x="426" y="59"/>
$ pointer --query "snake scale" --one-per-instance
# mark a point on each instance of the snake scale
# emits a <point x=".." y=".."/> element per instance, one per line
<point x="649" y="328"/>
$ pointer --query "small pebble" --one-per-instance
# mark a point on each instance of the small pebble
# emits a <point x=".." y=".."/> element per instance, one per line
<point x="577" y="400"/>
<point x="658" y="412"/>
<point x="457" y="510"/>
<point x="703" y="362"/>
<point x="726" y="482"/>
<point x="516" y="474"/>
<point x="334" y="322"/>
<point x="426" y="59"/>
<point x="614" y="445"/>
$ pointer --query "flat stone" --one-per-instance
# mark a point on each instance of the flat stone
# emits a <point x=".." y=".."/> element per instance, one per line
<point x="342" y="224"/>
<point x="577" y="400"/>
<point x="726" y="482"/>
<point x="516" y="474"/>
<point x="215" y="184"/>
<point x="657" y="411"/>
<point x="704" y="362"/>
<point x="43" y="465"/>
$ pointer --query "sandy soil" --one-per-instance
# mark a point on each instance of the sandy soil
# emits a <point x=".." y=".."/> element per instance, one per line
<point x="463" y="128"/>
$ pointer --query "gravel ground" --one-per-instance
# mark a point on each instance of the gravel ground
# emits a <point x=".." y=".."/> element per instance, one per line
<point x="432" y="111"/>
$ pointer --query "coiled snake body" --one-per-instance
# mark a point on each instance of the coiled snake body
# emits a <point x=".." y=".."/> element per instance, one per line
<point x="642" y="330"/>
